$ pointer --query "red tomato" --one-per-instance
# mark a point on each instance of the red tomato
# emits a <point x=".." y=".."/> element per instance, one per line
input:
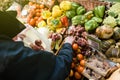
<point x="75" y="46"/>
<point x="42" y="6"/>
<point x="82" y="62"/>
<point x="38" y="14"/>
<point x="77" y="75"/>
<point x="79" y="56"/>
<point x="80" y="69"/>
<point x="36" y="18"/>
<point x="32" y="22"/>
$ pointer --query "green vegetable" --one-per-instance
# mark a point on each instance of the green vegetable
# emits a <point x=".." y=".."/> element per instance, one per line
<point x="57" y="42"/>
<point x="89" y="14"/>
<point x="55" y="22"/>
<point x="70" y="13"/>
<point x="114" y="10"/>
<point x="99" y="11"/>
<point x="91" y="25"/>
<point x="80" y="10"/>
<point x="5" y="4"/>
<point x="110" y="21"/>
<point x="118" y="19"/>
<point x="79" y="19"/>
<point x="98" y="20"/>
<point x="74" y="5"/>
<point x="113" y="14"/>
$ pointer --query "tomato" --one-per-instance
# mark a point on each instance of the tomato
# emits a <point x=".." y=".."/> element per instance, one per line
<point x="36" y="22"/>
<point x="30" y="15"/>
<point x="38" y="14"/>
<point x="42" y="6"/>
<point x="36" y="18"/>
<point x="28" y="19"/>
<point x="40" y="18"/>
<point x="82" y="62"/>
<point x="79" y="56"/>
<point x="32" y="12"/>
<point x="30" y="3"/>
<point x="45" y="8"/>
<point x="75" y="46"/>
<point x="37" y="6"/>
<point x="80" y="69"/>
<point x="77" y="75"/>
<point x="32" y="22"/>
<point x="34" y="6"/>
<point x="37" y="10"/>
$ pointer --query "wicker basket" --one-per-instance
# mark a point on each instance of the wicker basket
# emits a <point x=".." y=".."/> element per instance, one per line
<point x="88" y="4"/>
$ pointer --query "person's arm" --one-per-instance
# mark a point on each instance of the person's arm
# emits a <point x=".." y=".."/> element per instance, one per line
<point x="63" y="60"/>
<point x="23" y="63"/>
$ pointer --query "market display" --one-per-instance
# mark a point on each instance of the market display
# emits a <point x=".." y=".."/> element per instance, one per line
<point x="96" y="28"/>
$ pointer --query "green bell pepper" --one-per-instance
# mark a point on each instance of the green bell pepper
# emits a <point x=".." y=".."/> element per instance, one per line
<point x="89" y="15"/>
<point x="97" y="19"/>
<point x="74" y="5"/>
<point x="79" y="19"/>
<point x="91" y="25"/>
<point x="99" y="11"/>
<point x="70" y="13"/>
<point x="80" y="10"/>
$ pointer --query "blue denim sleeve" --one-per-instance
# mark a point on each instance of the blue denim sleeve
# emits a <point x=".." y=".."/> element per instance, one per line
<point x="63" y="63"/>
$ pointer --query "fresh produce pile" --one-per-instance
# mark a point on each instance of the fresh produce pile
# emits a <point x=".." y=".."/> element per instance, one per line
<point x="34" y="16"/>
<point x="5" y="4"/>
<point x="97" y="34"/>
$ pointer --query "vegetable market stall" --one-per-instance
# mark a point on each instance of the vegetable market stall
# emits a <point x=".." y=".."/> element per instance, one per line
<point x="95" y="25"/>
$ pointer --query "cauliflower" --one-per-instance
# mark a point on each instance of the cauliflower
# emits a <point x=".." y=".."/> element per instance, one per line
<point x="114" y="10"/>
<point x="111" y="21"/>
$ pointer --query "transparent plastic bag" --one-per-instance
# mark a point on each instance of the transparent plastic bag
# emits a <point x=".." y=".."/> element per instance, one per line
<point x="31" y="35"/>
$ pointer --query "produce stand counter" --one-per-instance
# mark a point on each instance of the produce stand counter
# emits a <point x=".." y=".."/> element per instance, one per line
<point x="94" y="24"/>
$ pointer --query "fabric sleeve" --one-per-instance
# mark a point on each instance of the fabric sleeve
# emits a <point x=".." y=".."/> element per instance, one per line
<point x="23" y="63"/>
<point x="63" y="63"/>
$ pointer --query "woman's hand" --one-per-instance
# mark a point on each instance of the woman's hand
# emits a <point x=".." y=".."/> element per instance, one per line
<point x="37" y="45"/>
<point x="69" y="39"/>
